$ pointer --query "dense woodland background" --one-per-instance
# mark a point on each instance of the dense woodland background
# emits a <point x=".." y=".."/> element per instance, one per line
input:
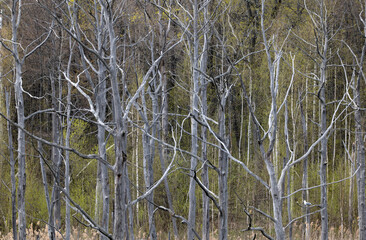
<point x="224" y="119"/>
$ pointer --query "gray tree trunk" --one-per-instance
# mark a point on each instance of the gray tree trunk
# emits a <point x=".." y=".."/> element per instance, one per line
<point x="149" y="153"/>
<point x="129" y="226"/>
<point x="164" y="136"/>
<point x="224" y="171"/>
<point x="67" y="163"/>
<point x="351" y="190"/>
<point x="101" y="103"/>
<point x="305" y="193"/>
<point x="51" y="229"/>
<point x="67" y="144"/>
<point x="100" y="92"/>
<point x="194" y="124"/>
<point x="19" y="103"/>
<point x="324" y="143"/>
<point x="164" y="131"/>
<point x="12" y="168"/>
<point x="205" y="175"/>
<point x="287" y="158"/>
<point x="323" y="43"/>
<point x="56" y="155"/>
<point x="360" y="149"/>
<point x="21" y="152"/>
<point x="276" y="191"/>
<point x="120" y="134"/>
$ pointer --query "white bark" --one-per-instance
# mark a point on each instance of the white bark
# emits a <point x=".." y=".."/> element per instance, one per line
<point x="67" y="144"/>
<point x="276" y="191"/>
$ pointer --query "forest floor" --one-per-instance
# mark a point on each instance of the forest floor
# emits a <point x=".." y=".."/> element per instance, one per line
<point x="36" y="233"/>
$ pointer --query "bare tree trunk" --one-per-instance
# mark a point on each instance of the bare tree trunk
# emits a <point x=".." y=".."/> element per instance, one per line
<point x="129" y="229"/>
<point x="19" y="103"/>
<point x="12" y="168"/>
<point x="224" y="171"/>
<point x="153" y="92"/>
<point x="120" y="135"/>
<point x="164" y="120"/>
<point x="98" y="194"/>
<point x="249" y="139"/>
<point x="102" y="195"/>
<point x="290" y="228"/>
<point x="102" y="152"/>
<point x="67" y="163"/>
<point x="101" y="103"/>
<point x="322" y="31"/>
<point x="194" y="124"/>
<point x="148" y="150"/>
<point x="56" y="155"/>
<point x="51" y="229"/>
<point x="137" y="182"/>
<point x="276" y="191"/>
<point x="323" y="156"/>
<point x="119" y="179"/>
<point x="21" y="154"/>
<point x="163" y="151"/>
<point x="305" y="193"/>
<point x="322" y="41"/>
<point x="67" y="144"/>
<point x="205" y="176"/>
<point x="360" y="149"/>
<point x="351" y="190"/>
<point x="288" y="173"/>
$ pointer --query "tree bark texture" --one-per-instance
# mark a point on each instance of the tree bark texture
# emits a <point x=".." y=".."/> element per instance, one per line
<point x="194" y="124"/>
<point x="19" y="102"/>
<point x="12" y="168"/>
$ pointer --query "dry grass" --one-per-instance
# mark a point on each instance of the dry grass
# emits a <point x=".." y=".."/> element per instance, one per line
<point x="36" y="233"/>
<point x="340" y="233"/>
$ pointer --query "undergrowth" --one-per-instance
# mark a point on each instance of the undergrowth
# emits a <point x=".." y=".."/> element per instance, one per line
<point x="34" y="232"/>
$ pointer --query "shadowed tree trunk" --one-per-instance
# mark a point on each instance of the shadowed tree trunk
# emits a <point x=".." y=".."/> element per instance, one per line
<point x="149" y="153"/>
<point x="360" y="145"/>
<point x="223" y="169"/>
<point x="56" y="155"/>
<point x="305" y="193"/>
<point x="164" y="129"/>
<point x="51" y="229"/>
<point x="324" y="147"/>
